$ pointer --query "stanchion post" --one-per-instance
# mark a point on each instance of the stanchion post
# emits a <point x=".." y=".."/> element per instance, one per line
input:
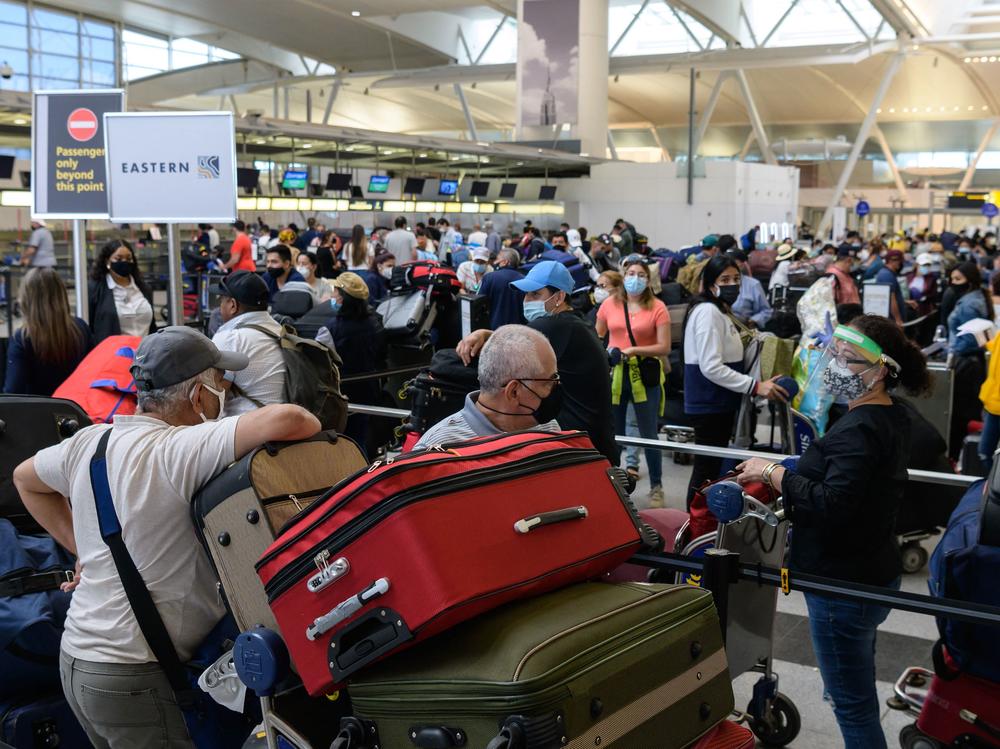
<point x="80" y="269"/>
<point x="721" y="570"/>
<point x="175" y="285"/>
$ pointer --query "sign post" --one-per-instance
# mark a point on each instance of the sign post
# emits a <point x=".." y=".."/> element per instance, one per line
<point x="990" y="210"/>
<point x="68" y="178"/>
<point x="171" y="167"/>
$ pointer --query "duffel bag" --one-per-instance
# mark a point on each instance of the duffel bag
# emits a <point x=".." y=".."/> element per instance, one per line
<point x="424" y="274"/>
<point x="102" y="384"/>
<point x="420" y="543"/>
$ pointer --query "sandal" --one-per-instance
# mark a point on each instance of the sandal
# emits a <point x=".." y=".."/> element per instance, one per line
<point x="633" y="472"/>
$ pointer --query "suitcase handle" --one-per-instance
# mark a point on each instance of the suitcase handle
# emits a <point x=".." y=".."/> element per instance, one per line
<point x="346" y="608"/>
<point x="528" y="524"/>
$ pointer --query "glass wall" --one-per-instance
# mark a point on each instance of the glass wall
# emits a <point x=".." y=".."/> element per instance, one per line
<point x="147" y="54"/>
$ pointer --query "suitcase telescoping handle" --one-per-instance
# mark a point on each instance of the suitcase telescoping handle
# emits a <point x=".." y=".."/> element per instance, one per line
<point x="347" y="608"/>
<point x="530" y="523"/>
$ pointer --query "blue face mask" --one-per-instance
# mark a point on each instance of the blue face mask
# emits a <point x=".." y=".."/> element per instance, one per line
<point x="923" y="270"/>
<point x="426" y="255"/>
<point x="534" y="310"/>
<point x="334" y="305"/>
<point x="479" y="267"/>
<point x="635" y="284"/>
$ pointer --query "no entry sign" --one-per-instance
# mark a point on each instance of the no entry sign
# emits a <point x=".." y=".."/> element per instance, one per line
<point x="82" y="124"/>
<point x="68" y="177"/>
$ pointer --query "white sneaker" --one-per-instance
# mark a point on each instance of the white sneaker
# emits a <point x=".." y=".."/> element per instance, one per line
<point x="655" y="497"/>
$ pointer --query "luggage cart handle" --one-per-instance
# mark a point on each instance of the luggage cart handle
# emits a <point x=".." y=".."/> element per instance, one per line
<point x="528" y="524"/>
<point x="346" y="608"/>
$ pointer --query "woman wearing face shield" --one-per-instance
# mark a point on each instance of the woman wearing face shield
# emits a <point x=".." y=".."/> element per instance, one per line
<point x="842" y="499"/>
<point x="714" y="381"/>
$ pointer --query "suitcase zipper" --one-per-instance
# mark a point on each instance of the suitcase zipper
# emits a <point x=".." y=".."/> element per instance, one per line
<point x="396" y="468"/>
<point x="305" y="563"/>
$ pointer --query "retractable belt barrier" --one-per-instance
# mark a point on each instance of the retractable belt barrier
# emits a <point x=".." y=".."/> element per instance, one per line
<point x="928" y="477"/>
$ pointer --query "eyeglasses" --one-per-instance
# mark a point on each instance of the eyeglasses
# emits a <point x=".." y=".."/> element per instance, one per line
<point x="843" y="358"/>
<point x="554" y="378"/>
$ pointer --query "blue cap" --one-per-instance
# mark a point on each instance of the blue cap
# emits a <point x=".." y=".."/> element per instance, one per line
<point x="546" y="273"/>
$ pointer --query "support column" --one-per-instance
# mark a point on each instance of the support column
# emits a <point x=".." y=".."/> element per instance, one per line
<point x="175" y="284"/>
<point x="469" y="122"/>
<point x="592" y="119"/>
<point x="331" y="98"/>
<point x="706" y="115"/>
<point x="859" y="142"/>
<point x="79" y="269"/>
<point x="755" y="121"/>
<point x="891" y="161"/>
<point x="974" y="162"/>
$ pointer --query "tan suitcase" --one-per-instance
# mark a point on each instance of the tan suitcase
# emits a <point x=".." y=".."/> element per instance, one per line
<point x="241" y="510"/>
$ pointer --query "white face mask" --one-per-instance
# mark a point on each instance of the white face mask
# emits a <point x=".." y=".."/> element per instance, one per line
<point x="601" y="294"/>
<point x="863" y="255"/>
<point x="220" y="394"/>
<point x="386" y="272"/>
<point x="305" y="270"/>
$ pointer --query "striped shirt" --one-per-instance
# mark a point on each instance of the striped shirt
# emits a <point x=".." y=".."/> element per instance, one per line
<point x="466" y="424"/>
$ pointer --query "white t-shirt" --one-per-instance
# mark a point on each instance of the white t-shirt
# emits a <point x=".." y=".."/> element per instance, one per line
<point x="478" y="238"/>
<point x="264" y="379"/>
<point x="153" y="470"/>
<point x="402" y="244"/>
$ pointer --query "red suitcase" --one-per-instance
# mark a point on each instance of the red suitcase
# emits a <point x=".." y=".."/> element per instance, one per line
<point x="941" y="716"/>
<point x="419" y="544"/>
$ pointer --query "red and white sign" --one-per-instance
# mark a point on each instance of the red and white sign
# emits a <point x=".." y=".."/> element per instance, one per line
<point x="82" y="124"/>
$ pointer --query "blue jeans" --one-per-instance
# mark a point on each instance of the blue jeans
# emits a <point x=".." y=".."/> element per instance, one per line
<point x="843" y="635"/>
<point x="988" y="439"/>
<point x="631" y="430"/>
<point x="647" y="415"/>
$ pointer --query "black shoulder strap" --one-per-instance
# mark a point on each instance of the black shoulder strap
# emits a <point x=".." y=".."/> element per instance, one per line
<point x="628" y="324"/>
<point x="149" y="619"/>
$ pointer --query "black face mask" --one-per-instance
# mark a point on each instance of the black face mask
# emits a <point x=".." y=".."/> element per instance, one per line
<point x="275" y="272"/>
<point x="546" y="411"/>
<point x="122" y="268"/>
<point x="729" y="294"/>
<point x="961" y="288"/>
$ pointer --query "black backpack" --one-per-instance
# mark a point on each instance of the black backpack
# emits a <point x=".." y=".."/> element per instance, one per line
<point x="440" y="390"/>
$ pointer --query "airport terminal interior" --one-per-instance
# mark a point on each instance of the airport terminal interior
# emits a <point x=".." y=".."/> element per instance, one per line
<point x="502" y="374"/>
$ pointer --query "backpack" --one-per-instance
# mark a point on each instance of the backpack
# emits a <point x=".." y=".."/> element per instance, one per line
<point x="410" y="277"/>
<point x="816" y="307"/>
<point x="438" y="392"/>
<point x="965" y="566"/>
<point x="312" y="377"/>
<point x="101" y="384"/>
<point x="32" y="611"/>
<point x="690" y="275"/>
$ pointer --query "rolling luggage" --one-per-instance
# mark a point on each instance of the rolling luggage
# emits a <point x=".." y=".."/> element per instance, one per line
<point x="32" y="611"/>
<point x="438" y="391"/>
<point x="310" y="323"/>
<point x="29" y="424"/>
<point x="47" y="722"/>
<point x="415" y="546"/>
<point x="241" y="510"/>
<point x="102" y="384"/>
<point x="592" y="665"/>
<point x="408" y="315"/>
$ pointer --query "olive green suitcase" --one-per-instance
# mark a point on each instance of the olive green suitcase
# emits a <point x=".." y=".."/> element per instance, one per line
<point x="628" y="665"/>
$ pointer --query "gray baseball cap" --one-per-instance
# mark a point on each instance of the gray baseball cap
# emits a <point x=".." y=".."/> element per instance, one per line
<point x="178" y="353"/>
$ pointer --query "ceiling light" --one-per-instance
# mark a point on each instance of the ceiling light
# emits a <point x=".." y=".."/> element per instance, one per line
<point x="349" y="148"/>
<point x="993" y="59"/>
<point x="307" y="145"/>
<point x="878" y="111"/>
<point x="984" y="108"/>
<point x="355" y="13"/>
<point x="906" y="109"/>
<point x="967" y="59"/>
<point x="892" y="110"/>
<point x="20" y="121"/>
<point x="927" y="109"/>
<point x="423" y="156"/>
<point x="940" y="109"/>
<point x="260" y="141"/>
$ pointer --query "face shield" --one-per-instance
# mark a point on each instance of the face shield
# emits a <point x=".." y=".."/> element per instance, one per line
<point x="849" y="366"/>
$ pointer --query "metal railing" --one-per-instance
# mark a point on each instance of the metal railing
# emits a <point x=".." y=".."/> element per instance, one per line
<point x="691" y="448"/>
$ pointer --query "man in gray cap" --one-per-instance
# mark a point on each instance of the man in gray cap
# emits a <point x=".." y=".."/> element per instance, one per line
<point x="156" y="461"/>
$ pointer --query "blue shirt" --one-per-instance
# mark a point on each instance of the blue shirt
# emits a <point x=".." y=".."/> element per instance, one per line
<point x="506" y="302"/>
<point x="969" y="306"/>
<point x="272" y="285"/>
<point x="752" y="303"/>
<point x="886" y="276"/>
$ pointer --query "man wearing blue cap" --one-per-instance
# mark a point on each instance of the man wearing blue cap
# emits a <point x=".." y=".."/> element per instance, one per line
<point x="580" y="356"/>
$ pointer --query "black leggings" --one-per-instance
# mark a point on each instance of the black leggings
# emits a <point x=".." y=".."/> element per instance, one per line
<point x="709" y="429"/>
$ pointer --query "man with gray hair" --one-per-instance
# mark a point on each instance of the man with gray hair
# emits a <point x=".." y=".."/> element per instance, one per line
<point x="518" y="389"/>
<point x="156" y="460"/>
<point x="493" y="243"/>
<point x="505" y="300"/>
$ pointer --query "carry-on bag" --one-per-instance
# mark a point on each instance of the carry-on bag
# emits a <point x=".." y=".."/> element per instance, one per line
<point x="702" y="519"/>
<point x="241" y="510"/>
<point x="29" y="424"/>
<point x="101" y="384"/>
<point x="592" y="665"/>
<point x="43" y="722"/>
<point x="409" y="277"/>
<point x="414" y="546"/>
<point x="32" y="611"/>
<point x="439" y="390"/>
<point x="410" y="314"/>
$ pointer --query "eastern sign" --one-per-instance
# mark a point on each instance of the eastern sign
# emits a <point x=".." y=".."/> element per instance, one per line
<point x="171" y="167"/>
<point x="68" y="176"/>
<point x="862" y="208"/>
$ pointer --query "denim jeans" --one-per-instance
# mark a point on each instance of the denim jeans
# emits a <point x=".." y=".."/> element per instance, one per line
<point x="988" y="439"/>
<point x="631" y="430"/>
<point x="647" y="415"/>
<point x="843" y="635"/>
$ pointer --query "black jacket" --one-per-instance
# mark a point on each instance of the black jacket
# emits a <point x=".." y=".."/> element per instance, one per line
<point x="845" y="494"/>
<point x="103" y="313"/>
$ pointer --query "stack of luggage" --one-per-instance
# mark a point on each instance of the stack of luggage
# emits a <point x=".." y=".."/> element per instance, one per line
<point x="418" y="292"/>
<point x="450" y="593"/>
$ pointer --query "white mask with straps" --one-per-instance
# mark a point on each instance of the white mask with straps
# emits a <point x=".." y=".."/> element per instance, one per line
<point x="220" y="394"/>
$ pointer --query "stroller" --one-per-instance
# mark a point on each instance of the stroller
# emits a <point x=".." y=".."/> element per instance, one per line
<point x="771" y="715"/>
<point x="958" y="703"/>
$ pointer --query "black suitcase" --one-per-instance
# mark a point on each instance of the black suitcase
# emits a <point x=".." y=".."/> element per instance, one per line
<point x="439" y="391"/>
<point x="46" y="722"/>
<point x="969" y="460"/>
<point x="28" y="424"/>
<point x="309" y="324"/>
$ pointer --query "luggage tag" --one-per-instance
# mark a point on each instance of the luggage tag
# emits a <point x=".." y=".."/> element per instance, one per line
<point x="222" y="683"/>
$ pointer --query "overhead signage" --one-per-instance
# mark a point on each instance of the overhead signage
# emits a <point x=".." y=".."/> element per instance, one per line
<point x="959" y="200"/>
<point x="68" y="176"/>
<point x="862" y="208"/>
<point x="990" y="210"/>
<point x="171" y="167"/>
